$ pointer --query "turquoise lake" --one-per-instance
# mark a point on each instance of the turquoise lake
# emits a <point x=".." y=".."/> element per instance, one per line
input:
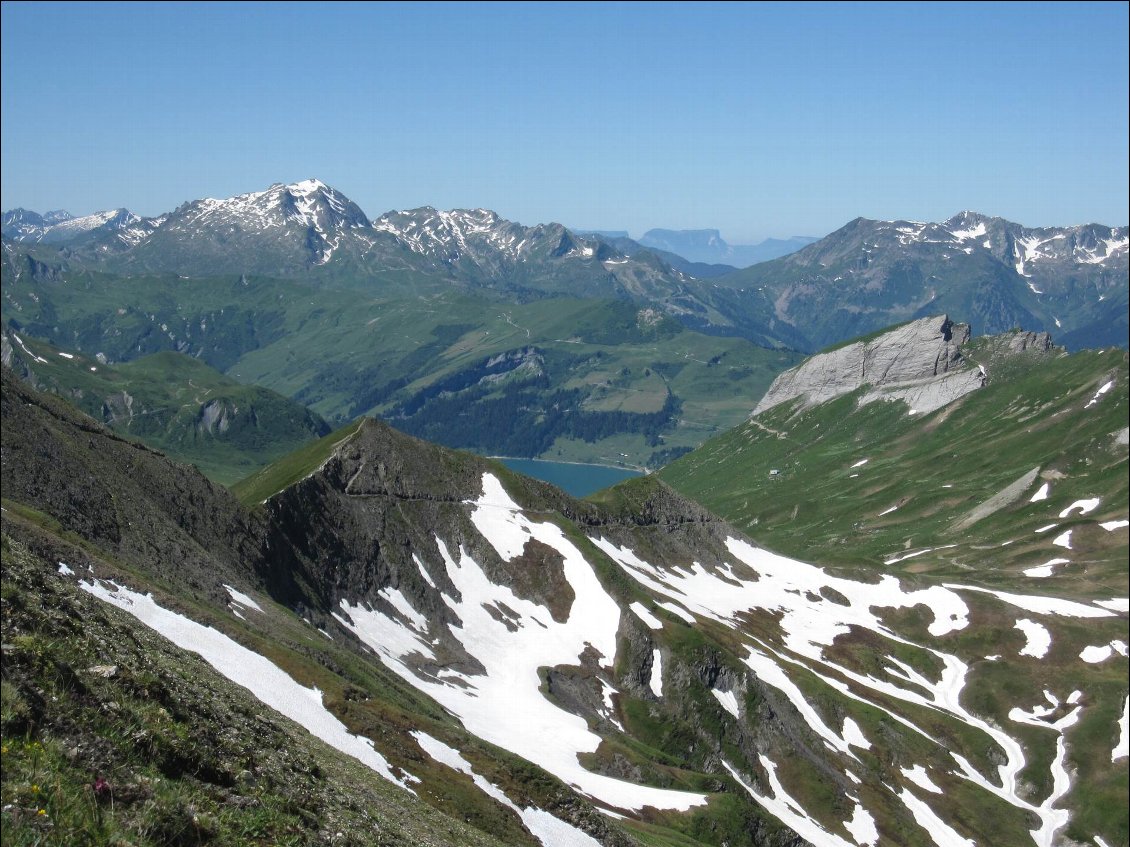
<point x="576" y="479"/>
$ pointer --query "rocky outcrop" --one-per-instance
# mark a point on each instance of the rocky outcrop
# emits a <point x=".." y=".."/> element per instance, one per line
<point x="920" y="363"/>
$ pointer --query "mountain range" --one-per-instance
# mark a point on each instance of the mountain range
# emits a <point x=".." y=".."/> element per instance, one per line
<point x="376" y="639"/>
<point x="869" y="274"/>
<point x="863" y="277"/>
<point x="581" y="347"/>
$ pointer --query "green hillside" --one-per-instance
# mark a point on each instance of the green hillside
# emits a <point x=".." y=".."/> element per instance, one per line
<point x="865" y="486"/>
<point x="603" y="380"/>
<point x="174" y="403"/>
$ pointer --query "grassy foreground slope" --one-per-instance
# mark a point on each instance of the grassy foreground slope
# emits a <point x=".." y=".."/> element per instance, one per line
<point x="112" y="735"/>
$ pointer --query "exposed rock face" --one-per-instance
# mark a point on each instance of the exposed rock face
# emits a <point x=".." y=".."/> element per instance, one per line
<point x="919" y="362"/>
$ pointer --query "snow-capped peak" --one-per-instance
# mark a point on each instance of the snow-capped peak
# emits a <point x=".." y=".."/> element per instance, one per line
<point x="460" y="232"/>
<point x="310" y="203"/>
<point x="967" y="226"/>
<point x="307" y="186"/>
<point x="119" y="218"/>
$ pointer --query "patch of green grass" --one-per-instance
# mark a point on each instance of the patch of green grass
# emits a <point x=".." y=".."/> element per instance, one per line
<point x="265" y="483"/>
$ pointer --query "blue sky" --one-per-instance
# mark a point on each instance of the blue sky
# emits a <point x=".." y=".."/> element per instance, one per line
<point x="760" y="119"/>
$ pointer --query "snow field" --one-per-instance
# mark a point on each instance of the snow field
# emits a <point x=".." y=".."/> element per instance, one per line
<point x="503" y="703"/>
<point x="810" y="623"/>
<point x="647" y="617"/>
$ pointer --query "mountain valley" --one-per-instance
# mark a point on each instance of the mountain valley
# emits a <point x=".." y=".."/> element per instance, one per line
<point x="627" y="669"/>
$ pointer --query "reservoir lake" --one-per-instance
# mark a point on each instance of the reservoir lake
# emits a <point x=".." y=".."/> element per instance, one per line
<point x="576" y="479"/>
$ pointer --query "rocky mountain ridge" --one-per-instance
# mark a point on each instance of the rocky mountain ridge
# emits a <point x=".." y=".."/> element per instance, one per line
<point x="921" y="363"/>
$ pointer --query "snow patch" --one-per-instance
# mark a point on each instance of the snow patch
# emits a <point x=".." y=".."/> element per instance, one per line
<point x="854" y="736"/>
<point x="1100" y="653"/>
<point x="644" y="615"/>
<point x="1103" y="390"/>
<point x="677" y="611"/>
<point x="1039" y="639"/>
<point x="1042" y="605"/>
<point x="1046" y="569"/>
<point x="940" y="833"/>
<point x="1115" y="604"/>
<point x="1122" y="747"/>
<point x="921" y="778"/>
<point x="1042" y="494"/>
<point x="241" y="599"/>
<point x="862" y="827"/>
<point x="974" y="232"/>
<point x="656" y="681"/>
<point x="727" y="699"/>
<point x="1085" y="507"/>
<point x="1094" y="654"/>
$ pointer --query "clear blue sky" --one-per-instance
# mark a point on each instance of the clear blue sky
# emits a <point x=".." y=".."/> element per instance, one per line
<point x="760" y="119"/>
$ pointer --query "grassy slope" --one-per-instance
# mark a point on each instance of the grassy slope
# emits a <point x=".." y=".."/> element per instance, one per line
<point x="160" y="400"/>
<point x="934" y="470"/>
<point x="272" y="479"/>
